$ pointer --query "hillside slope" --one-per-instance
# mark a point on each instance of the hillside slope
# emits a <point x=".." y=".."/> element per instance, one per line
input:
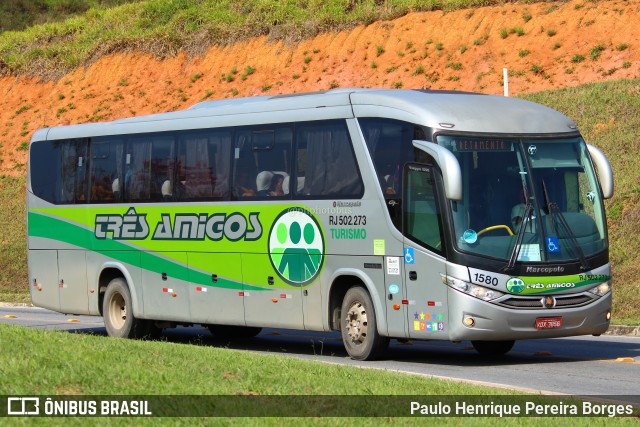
<point x="545" y="45"/>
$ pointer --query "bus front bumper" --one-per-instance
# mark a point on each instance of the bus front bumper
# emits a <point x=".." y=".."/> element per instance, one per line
<point x="492" y="322"/>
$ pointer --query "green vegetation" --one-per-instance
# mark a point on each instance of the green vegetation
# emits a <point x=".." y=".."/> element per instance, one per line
<point x="92" y="365"/>
<point x="230" y="76"/>
<point x="14" y="283"/>
<point x="480" y="41"/>
<point x="164" y="27"/>
<point x="247" y="72"/>
<point x="577" y="58"/>
<point x="16" y="15"/>
<point x="595" y="52"/>
<point x="454" y="65"/>
<point x="536" y="69"/>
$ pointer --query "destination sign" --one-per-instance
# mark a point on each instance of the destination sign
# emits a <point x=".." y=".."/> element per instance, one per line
<point x="483" y="145"/>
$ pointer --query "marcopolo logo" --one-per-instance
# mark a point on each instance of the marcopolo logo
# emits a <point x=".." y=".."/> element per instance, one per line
<point x="515" y="285"/>
<point x="296" y="247"/>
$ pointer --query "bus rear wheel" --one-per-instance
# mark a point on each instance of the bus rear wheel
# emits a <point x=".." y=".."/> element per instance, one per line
<point x="359" y="328"/>
<point x="493" y="348"/>
<point x="118" y="314"/>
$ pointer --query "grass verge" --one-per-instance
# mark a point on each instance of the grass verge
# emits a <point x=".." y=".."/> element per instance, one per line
<point x="61" y="363"/>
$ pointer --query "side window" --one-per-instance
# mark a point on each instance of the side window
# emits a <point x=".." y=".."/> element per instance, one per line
<point x="105" y="170"/>
<point x="73" y="176"/>
<point x="325" y="163"/>
<point x="162" y="168"/>
<point x="58" y="170"/>
<point x="422" y="218"/>
<point x="43" y="166"/>
<point x="262" y="162"/>
<point x="390" y="145"/>
<point x="137" y="175"/>
<point x="244" y="167"/>
<point x="203" y="167"/>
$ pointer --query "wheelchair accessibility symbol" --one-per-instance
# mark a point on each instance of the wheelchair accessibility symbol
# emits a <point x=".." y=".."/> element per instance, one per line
<point x="552" y="244"/>
<point x="408" y="256"/>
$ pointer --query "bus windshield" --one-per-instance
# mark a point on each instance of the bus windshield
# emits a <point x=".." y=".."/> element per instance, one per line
<point x="528" y="200"/>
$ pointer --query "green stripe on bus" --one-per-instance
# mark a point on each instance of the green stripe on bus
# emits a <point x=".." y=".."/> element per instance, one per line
<point x="51" y="228"/>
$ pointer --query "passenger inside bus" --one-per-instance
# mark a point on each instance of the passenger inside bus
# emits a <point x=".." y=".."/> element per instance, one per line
<point x="244" y="187"/>
<point x="102" y="190"/>
<point x="275" y="189"/>
<point x="269" y="183"/>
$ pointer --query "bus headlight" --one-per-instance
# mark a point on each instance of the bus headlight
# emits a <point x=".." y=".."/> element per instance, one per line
<point x="476" y="291"/>
<point x="601" y="290"/>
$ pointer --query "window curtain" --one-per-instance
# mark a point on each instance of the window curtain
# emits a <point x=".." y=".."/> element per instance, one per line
<point x="138" y="181"/>
<point x="331" y="167"/>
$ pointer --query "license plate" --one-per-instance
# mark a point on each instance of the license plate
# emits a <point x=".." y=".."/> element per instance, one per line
<point x="548" y="322"/>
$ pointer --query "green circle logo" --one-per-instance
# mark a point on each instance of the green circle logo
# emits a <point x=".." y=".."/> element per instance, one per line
<point x="515" y="285"/>
<point x="296" y="247"/>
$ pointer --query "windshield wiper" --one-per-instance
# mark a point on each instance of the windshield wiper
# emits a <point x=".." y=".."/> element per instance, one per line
<point x="526" y="217"/>
<point x="553" y="209"/>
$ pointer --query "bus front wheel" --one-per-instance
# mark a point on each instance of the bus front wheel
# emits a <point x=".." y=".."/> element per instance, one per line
<point x="493" y="348"/>
<point x="359" y="328"/>
<point x="118" y="314"/>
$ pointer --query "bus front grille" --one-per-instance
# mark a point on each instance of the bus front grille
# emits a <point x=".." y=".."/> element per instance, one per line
<point x="533" y="303"/>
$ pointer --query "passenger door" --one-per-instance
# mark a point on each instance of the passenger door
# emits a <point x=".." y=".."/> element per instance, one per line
<point x="423" y="259"/>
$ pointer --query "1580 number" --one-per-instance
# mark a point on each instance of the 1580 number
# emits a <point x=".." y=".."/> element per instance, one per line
<point x="485" y="279"/>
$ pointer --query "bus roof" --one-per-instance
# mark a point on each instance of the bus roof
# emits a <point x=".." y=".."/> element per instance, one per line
<point x="457" y="111"/>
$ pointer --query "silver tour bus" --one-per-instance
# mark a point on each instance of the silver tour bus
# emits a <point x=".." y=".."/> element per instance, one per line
<point x="383" y="214"/>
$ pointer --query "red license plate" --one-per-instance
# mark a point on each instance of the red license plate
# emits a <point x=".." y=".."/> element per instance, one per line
<point x="548" y="322"/>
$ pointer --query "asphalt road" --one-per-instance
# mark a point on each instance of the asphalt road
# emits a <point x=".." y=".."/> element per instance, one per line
<point x="607" y="366"/>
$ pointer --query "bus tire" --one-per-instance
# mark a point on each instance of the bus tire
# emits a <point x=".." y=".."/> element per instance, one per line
<point x="233" y="332"/>
<point x="359" y="328"/>
<point x="117" y="311"/>
<point x="493" y="348"/>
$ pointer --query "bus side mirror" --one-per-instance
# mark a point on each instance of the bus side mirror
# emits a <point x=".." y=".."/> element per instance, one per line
<point x="451" y="173"/>
<point x="603" y="167"/>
